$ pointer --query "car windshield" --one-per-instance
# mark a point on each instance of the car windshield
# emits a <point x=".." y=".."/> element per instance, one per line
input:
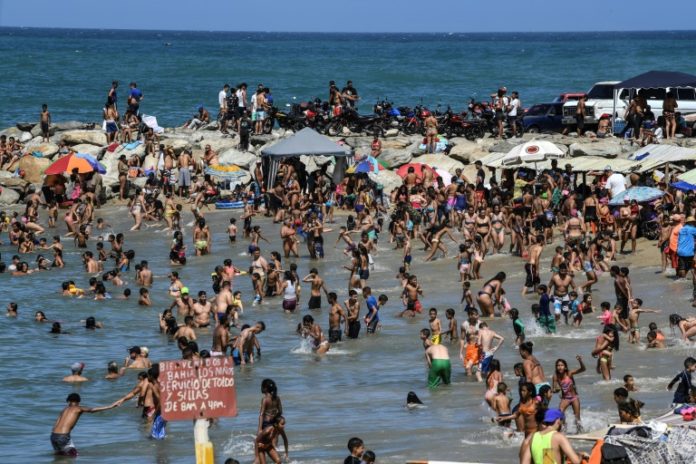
<point x="537" y="110"/>
<point x="601" y="92"/>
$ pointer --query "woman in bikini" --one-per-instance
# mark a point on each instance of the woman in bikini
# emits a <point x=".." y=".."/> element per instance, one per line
<point x="564" y="382"/>
<point x="137" y="208"/>
<point x="483" y="229"/>
<point x="589" y="212"/>
<point x="493" y="378"/>
<point x="271" y="406"/>
<point x="687" y="327"/>
<point x="468" y="223"/>
<point x="525" y="416"/>
<point x="498" y="221"/>
<point x="605" y="345"/>
<point x="489" y="295"/>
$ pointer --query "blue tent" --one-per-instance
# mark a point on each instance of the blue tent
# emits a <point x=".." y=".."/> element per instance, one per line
<point x="681" y="185"/>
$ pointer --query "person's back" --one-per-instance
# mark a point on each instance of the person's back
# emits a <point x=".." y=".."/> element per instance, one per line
<point x="542" y="448"/>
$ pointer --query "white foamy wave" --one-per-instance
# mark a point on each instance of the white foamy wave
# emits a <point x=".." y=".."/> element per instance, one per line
<point x="306" y="347"/>
<point x="532" y="329"/>
<point x="499" y="437"/>
<point x="239" y="445"/>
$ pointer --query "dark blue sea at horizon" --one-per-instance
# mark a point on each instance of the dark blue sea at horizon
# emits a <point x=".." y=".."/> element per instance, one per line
<point x="71" y="70"/>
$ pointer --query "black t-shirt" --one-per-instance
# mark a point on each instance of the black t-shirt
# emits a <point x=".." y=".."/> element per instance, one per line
<point x="350" y="91"/>
<point x="351" y="460"/>
<point x="480" y="177"/>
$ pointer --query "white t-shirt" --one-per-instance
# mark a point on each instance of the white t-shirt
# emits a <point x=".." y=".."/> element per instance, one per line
<point x="254" y="103"/>
<point x="616" y="183"/>
<point x="242" y="100"/>
<point x="514" y="105"/>
<point x="222" y="99"/>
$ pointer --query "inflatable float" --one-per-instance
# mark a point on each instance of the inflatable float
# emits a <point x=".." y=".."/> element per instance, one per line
<point x="229" y="205"/>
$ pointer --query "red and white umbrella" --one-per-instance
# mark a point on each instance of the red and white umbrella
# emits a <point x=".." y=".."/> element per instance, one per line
<point x="532" y="152"/>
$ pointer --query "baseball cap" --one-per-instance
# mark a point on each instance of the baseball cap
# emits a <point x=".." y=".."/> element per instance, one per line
<point x="185" y="291"/>
<point x="134" y="349"/>
<point x="144" y="350"/>
<point x="552" y="415"/>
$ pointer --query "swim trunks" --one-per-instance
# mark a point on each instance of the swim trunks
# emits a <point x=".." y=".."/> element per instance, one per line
<point x="440" y="371"/>
<point x="353" y="329"/>
<point x="290" y="305"/>
<point x="334" y="335"/>
<point x="314" y="302"/>
<point x="436" y="339"/>
<point x="485" y="364"/>
<point x="63" y="445"/>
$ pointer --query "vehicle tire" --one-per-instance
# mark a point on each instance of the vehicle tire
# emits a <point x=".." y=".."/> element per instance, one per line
<point x="520" y="130"/>
<point x="479" y="132"/>
<point x="334" y="128"/>
<point x="355" y="127"/>
<point x="373" y="129"/>
<point x="533" y="130"/>
<point x="298" y="126"/>
<point x="408" y="129"/>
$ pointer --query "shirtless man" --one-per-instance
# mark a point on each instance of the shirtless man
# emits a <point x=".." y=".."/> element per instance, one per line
<point x="622" y="289"/>
<point x="184" y="173"/>
<point x="533" y="371"/>
<point x="136" y="360"/>
<point x="67" y="420"/>
<point x="221" y="337"/>
<point x="412" y="291"/>
<point x="561" y="299"/>
<point x="312" y="331"/>
<point x="438" y="361"/>
<point x="336" y="316"/>
<point x="352" y="305"/>
<point x="145" y="274"/>
<point x="76" y="375"/>
<point x="186" y="330"/>
<point x="532" y="266"/>
<point x="201" y="310"/>
<point x="201" y="238"/>
<point x="317" y="286"/>
<point x="247" y="340"/>
<point x="223" y="300"/>
<point x="92" y="266"/>
<point x="183" y="302"/>
<point x="486" y="337"/>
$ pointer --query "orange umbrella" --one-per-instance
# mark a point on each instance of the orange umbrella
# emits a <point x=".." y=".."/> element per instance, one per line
<point x="69" y="162"/>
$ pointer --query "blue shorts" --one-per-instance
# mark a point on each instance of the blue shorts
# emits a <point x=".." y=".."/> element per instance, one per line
<point x="485" y="363"/>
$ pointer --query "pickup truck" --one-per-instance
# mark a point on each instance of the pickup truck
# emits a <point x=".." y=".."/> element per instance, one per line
<point x="600" y="100"/>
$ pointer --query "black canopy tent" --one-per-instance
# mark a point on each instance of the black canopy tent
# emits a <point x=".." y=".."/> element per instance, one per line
<point x="305" y="142"/>
<point x="653" y="80"/>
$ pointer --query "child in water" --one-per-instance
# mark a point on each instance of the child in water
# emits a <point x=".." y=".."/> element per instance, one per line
<point x="518" y="326"/>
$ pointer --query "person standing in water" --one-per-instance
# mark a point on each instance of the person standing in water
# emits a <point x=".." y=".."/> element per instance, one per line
<point x="271" y="407"/>
<point x="533" y="371"/>
<point x="66" y="422"/>
<point x="438" y="361"/>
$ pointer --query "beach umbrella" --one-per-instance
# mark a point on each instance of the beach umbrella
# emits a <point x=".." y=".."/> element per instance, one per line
<point x="96" y="165"/>
<point x="72" y="161"/>
<point x="367" y="165"/>
<point x="688" y="176"/>
<point x="226" y="171"/>
<point x="418" y="167"/>
<point x="640" y="194"/>
<point x="446" y="176"/>
<point x="532" y="152"/>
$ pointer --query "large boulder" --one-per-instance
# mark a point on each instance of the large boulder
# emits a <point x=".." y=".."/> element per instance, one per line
<point x="110" y="162"/>
<point x="77" y="137"/>
<point x="395" y="157"/>
<point x="25" y="137"/>
<point x="36" y="130"/>
<point x="88" y="149"/>
<point x="396" y="142"/>
<point x="243" y="159"/>
<point x="48" y="149"/>
<point x="12" y="132"/>
<point x="72" y="125"/>
<point x="606" y="149"/>
<point x="26" y="126"/>
<point x="388" y="179"/>
<point x="33" y="167"/>
<point x="466" y="151"/>
<point x="177" y="144"/>
<point x="8" y="197"/>
<point x="441" y="162"/>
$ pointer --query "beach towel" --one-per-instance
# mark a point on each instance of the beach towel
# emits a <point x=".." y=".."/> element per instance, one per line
<point x="151" y="122"/>
<point x="37" y="154"/>
<point x="133" y="145"/>
<point x="112" y="148"/>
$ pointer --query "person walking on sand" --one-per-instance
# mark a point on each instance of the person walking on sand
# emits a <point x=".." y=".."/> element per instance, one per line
<point x="66" y="422"/>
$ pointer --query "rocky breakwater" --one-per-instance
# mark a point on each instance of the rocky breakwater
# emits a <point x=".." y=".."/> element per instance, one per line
<point x="397" y="150"/>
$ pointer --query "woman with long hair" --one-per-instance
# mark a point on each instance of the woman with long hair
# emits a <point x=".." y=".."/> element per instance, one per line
<point x="564" y="382"/>
<point x="489" y="295"/>
<point x="271" y="406"/>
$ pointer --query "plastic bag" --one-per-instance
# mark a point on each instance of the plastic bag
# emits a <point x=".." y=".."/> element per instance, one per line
<point x="158" y="431"/>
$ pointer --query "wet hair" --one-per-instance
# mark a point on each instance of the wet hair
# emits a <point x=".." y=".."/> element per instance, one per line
<point x="231" y="460"/>
<point x="307" y="319"/>
<point x="90" y="323"/>
<point x="449" y="312"/>
<point x="621" y="392"/>
<point x="425" y="332"/>
<point x="261" y="323"/>
<point x="73" y="398"/>
<point x="518" y="366"/>
<point x="502" y="386"/>
<point x="675" y="319"/>
<point x="269" y="386"/>
<point x="112" y="367"/>
<point x="562" y="361"/>
<point x="626" y="377"/>
<point x="630" y="408"/>
<point x="527" y="346"/>
<point x="55" y="328"/>
<point x="514" y="313"/>
<point x="689" y="362"/>
<point x="369" y="456"/>
<point x="354" y="443"/>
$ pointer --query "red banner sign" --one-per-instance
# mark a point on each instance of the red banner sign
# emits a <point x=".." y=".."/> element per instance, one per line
<point x="197" y="389"/>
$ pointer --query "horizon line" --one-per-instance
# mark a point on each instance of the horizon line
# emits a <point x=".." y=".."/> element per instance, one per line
<point x="347" y="32"/>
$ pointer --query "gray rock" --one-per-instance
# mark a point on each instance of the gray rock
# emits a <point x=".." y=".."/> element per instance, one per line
<point x="25" y="137"/>
<point x="466" y="151"/>
<point x="261" y="139"/>
<point x="415" y="149"/>
<point x="89" y="149"/>
<point x="73" y="125"/>
<point x="77" y="137"/>
<point x="396" y="158"/>
<point x="396" y="142"/>
<point x="391" y="133"/>
<point x="48" y="149"/>
<point x="504" y="146"/>
<point x="178" y="144"/>
<point x="388" y="179"/>
<point x="243" y="159"/>
<point x="8" y="197"/>
<point x="11" y="132"/>
<point x="607" y="149"/>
